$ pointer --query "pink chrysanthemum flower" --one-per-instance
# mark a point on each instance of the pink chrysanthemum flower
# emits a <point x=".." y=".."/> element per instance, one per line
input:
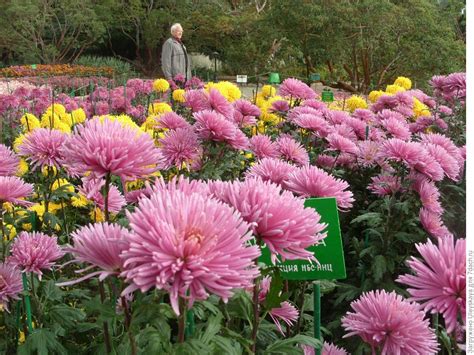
<point x="108" y="147"/>
<point x="179" y="146"/>
<point x="171" y="120"/>
<point x="341" y="144"/>
<point x="310" y="181"/>
<point x="286" y="313"/>
<point x="408" y="152"/>
<point x="314" y="103"/>
<point x="291" y="150"/>
<point x="396" y="128"/>
<point x="384" y="102"/>
<point x="190" y="246"/>
<point x="271" y="169"/>
<point x="42" y="147"/>
<point x="34" y="252"/>
<point x="363" y="115"/>
<point x="390" y="115"/>
<point x="369" y="153"/>
<point x="345" y="130"/>
<point x="390" y="324"/>
<point x="383" y="185"/>
<point x="197" y="100"/>
<point x="296" y="89"/>
<point x="326" y="161"/>
<point x="278" y="218"/>
<point x="213" y="126"/>
<point x="9" y="161"/>
<point x="245" y="113"/>
<point x="99" y="245"/>
<point x="328" y="349"/>
<point x="429" y="195"/>
<point x="337" y="117"/>
<point x="219" y="104"/>
<point x="300" y="110"/>
<point x="10" y="284"/>
<point x="14" y="190"/>
<point x="262" y="146"/>
<point x="280" y="106"/>
<point x="180" y="183"/>
<point x="240" y="141"/>
<point x="439" y="280"/>
<point x="91" y="188"/>
<point x="433" y="224"/>
<point x="313" y="123"/>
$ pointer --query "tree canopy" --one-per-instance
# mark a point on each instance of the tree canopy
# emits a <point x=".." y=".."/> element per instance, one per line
<point x="361" y="44"/>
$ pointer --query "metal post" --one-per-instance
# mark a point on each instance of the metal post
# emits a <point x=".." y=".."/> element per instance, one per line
<point x="317" y="314"/>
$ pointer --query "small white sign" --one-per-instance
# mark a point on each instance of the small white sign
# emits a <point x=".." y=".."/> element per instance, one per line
<point x="241" y="78"/>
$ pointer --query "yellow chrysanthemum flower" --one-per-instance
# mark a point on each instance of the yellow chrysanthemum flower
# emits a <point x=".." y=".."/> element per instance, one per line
<point x="268" y="91"/>
<point x="209" y="85"/>
<point x="393" y="89"/>
<point x="56" y="108"/>
<point x="125" y="120"/>
<point x="403" y="82"/>
<point x="335" y="105"/>
<point x="46" y="170"/>
<point x="10" y="232"/>
<point x="150" y="123"/>
<point x="78" y="116"/>
<point x="178" y="95"/>
<point x="270" y="118"/>
<point x="354" y="102"/>
<point x="229" y="90"/>
<point x="50" y="120"/>
<point x="375" y="94"/>
<point x="97" y="215"/>
<point x="29" y="122"/>
<point x="161" y="85"/>
<point x="79" y="201"/>
<point x="39" y="208"/>
<point x="7" y="206"/>
<point x="158" y="108"/>
<point x="18" y="141"/>
<point x="62" y="183"/>
<point x="420" y="109"/>
<point x="22" y="168"/>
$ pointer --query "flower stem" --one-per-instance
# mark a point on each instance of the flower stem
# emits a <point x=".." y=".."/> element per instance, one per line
<point x="181" y="320"/>
<point x="128" y="322"/>
<point x="256" y="318"/>
<point x="106" y="196"/>
<point x="26" y="295"/>
<point x="108" y="347"/>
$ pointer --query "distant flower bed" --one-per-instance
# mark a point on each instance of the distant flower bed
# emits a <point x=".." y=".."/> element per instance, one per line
<point x="55" y="70"/>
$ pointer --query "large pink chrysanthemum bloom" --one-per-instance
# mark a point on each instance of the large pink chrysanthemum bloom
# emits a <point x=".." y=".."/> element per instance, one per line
<point x="189" y="245"/>
<point x="390" y="324"/>
<point x="383" y="185"/>
<point x="278" y="218"/>
<point x="91" y="188"/>
<point x="213" y="126"/>
<point x="328" y="349"/>
<point x="439" y="283"/>
<point x="197" y="100"/>
<point x="108" y="147"/>
<point x="219" y="104"/>
<point x="429" y="195"/>
<point x="369" y="153"/>
<point x="314" y="123"/>
<point x="363" y="115"/>
<point x="296" y="89"/>
<point x="240" y="141"/>
<point x="179" y="146"/>
<point x="270" y="169"/>
<point x="99" y="245"/>
<point x="10" y="284"/>
<point x="303" y="110"/>
<point x="14" y="190"/>
<point x="42" y="147"/>
<point x="33" y="252"/>
<point x="262" y="146"/>
<point x="396" y="128"/>
<point x="245" y="113"/>
<point x="9" y="162"/>
<point x="433" y="224"/>
<point x="310" y="181"/>
<point x="341" y="144"/>
<point x="291" y="150"/>
<point x="171" y="120"/>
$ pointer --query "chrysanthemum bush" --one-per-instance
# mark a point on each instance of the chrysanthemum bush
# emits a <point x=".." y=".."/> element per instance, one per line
<point x="132" y="219"/>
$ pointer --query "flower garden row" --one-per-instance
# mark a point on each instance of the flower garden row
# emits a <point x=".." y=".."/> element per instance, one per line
<point x="133" y="218"/>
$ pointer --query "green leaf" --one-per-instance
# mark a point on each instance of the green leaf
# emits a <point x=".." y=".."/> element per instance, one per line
<point x="291" y="345"/>
<point x="379" y="267"/>
<point x="213" y="327"/>
<point x="65" y="316"/>
<point x="227" y="346"/>
<point x="43" y="342"/>
<point x="51" y="292"/>
<point x="273" y="298"/>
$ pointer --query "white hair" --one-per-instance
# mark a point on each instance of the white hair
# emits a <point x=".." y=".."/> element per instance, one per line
<point x="175" y="26"/>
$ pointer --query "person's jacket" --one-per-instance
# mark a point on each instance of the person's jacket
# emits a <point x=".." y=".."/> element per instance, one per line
<point x="173" y="59"/>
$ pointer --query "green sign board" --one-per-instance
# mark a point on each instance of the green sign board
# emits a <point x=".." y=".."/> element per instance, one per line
<point x="314" y="77"/>
<point x="33" y="66"/>
<point x="327" y="96"/>
<point x="329" y="253"/>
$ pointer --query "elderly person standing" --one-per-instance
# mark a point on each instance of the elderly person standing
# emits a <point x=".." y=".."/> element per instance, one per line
<point x="174" y="57"/>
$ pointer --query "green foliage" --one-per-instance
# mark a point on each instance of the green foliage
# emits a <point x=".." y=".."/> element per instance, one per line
<point x="122" y="69"/>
